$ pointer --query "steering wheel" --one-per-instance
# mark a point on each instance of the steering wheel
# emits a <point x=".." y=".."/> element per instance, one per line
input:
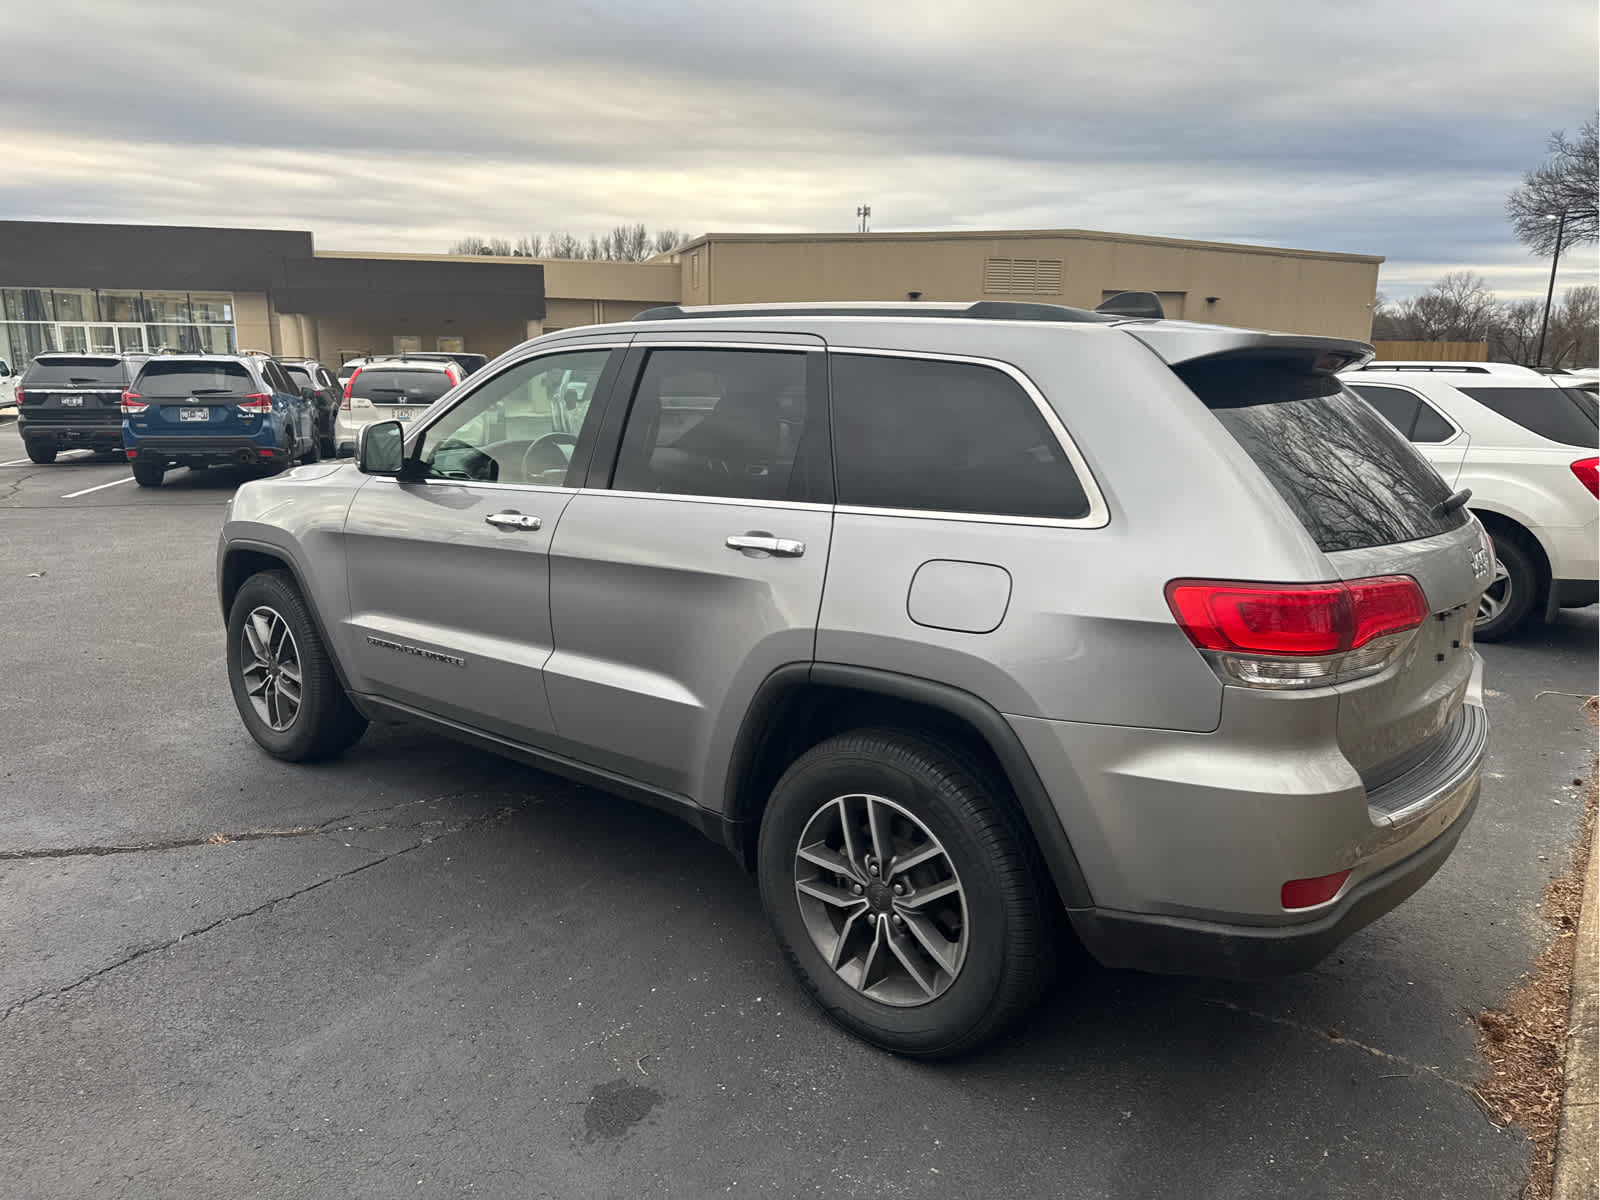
<point x="547" y="446"/>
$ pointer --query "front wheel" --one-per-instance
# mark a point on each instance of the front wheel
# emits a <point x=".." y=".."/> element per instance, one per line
<point x="282" y="679"/>
<point x="1508" y="600"/>
<point x="149" y="472"/>
<point x="905" y="892"/>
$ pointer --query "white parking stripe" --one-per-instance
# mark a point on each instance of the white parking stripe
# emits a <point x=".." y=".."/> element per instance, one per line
<point x="97" y="487"/>
<point x="16" y="462"/>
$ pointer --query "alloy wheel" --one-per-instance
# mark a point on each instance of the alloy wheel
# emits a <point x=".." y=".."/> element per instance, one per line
<point x="1496" y="596"/>
<point x="270" y="664"/>
<point x="881" y="900"/>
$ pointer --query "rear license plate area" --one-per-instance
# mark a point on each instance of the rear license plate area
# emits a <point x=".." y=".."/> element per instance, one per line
<point x="194" y="414"/>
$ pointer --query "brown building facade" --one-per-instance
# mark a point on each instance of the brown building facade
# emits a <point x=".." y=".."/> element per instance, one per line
<point x="69" y="286"/>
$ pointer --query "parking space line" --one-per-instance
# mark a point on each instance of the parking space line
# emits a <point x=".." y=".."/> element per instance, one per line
<point x="97" y="487"/>
<point x="16" y="462"/>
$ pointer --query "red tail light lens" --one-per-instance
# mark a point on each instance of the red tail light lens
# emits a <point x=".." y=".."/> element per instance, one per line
<point x="344" y="404"/>
<point x="22" y="397"/>
<point x="1308" y="893"/>
<point x="1586" y="469"/>
<point x="132" y="454"/>
<point x="256" y="402"/>
<point x="133" y="404"/>
<point x="1297" y="635"/>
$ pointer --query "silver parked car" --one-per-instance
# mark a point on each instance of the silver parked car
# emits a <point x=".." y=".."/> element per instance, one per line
<point x="947" y="620"/>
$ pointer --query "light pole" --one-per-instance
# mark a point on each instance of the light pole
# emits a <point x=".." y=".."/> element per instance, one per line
<point x="864" y="211"/>
<point x="1561" y="227"/>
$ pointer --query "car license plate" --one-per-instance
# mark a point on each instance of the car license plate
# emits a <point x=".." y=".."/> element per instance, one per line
<point x="404" y="414"/>
<point x="72" y="402"/>
<point x="194" y="414"/>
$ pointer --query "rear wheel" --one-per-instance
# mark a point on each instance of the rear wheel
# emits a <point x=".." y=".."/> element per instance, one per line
<point x="148" y="472"/>
<point x="905" y="892"/>
<point x="42" y="452"/>
<point x="282" y="679"/>
<point x="1508" y="601"/>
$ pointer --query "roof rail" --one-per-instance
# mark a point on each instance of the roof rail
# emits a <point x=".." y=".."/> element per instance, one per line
<point x="1458" y="368"/>
<point x="981" y="310"/>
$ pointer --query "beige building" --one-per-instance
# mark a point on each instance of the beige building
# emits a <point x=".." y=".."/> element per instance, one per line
<point x="66" y="286"/>
<point x="1301" y="291"/>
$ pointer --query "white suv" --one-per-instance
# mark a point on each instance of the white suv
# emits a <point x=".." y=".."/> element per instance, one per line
<point x="390" y="389"/>
<point x="1524" y="443"/>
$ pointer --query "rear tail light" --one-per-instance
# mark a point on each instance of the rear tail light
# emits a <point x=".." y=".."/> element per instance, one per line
<point x="256" y="403"/>
<point x="1586" y="469"/>
<point x="344" y="405"/>
<point x="133" y="404"/>
<point x="132" y="454"/>
<point x="1298" y="635"/>
<point x="1308" y="893"/>
<point x="22" y="397"/>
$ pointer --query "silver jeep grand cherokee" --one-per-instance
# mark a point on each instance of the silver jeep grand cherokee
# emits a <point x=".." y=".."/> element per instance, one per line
<point x="946" y="620"/>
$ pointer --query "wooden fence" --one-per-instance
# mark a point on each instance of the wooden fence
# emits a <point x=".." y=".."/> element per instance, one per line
<point x="1432" y="351"/>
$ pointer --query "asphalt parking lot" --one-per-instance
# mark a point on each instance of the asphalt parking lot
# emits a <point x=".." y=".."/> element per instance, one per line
<point x="424" y="971"/>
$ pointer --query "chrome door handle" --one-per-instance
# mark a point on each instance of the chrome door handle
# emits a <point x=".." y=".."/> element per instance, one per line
<point x="513" y="520"/>
<point x="782" y="547"/>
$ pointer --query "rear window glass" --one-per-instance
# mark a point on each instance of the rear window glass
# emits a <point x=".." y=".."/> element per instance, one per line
<point x="74" y="372"/>
<point x="384" y="385"/>
<point x="299" y="376"/>
<point x="1346" y="472"/>
<point x="194" y="379"/>
<point x="1563" y="415"/>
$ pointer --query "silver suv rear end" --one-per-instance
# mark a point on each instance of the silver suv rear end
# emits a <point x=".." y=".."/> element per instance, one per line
<point x="946" y="620"/>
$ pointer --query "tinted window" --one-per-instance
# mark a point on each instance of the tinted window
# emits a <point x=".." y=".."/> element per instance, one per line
<point x="162" y="377"/>
<point x="1345" y="471"/>
<point x="1560" y="414"/>
<point x="521" y="426"/>
<point x="716" y="423"/>
<point x="1398" y="406"/>
<point x="949" y="437"/>
<point x="73" y="372"/>
<point x="299" y="376"/>
<point x="1431" y="427"/>
<point x="396" y="385"/>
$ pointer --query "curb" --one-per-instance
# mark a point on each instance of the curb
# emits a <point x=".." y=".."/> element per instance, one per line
<point x="1576" y="1150"/>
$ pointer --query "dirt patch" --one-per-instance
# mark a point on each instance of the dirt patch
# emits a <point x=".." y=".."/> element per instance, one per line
<point x="1525" y="1042"/>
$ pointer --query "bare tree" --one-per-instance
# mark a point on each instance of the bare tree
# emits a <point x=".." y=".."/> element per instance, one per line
<point x="1515" y="336"/>
<point x="1575" y="329"/>
<point x="1567" y="182"/>
<point x="624" y="243"/>
<point x="1458" y="308"/>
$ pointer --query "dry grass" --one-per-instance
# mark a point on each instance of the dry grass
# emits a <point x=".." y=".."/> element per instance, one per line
<point x="1525" y="1041"/>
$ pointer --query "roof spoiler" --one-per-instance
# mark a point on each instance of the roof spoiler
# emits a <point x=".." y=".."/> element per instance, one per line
<point x="1179" y="343"/>
<point x="1145" y="305"/>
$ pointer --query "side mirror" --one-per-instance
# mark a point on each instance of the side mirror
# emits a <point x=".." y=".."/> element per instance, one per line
<point x="381" y="448"/>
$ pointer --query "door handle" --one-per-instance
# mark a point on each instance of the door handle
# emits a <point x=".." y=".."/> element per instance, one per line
<point x="764" y="542"/>
<point x="513" y="520"/>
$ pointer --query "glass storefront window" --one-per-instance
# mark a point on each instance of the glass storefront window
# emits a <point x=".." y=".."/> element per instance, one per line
<point x="37" y="320"/>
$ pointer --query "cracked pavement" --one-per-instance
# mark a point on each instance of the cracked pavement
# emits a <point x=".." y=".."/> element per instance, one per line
<point x="423" y="970"/>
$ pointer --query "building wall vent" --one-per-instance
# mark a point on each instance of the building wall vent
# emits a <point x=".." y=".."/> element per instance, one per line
<point x="1022" y="276"/>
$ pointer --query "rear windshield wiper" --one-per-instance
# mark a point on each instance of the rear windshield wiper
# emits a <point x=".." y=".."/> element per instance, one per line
<point x="83" y="379"/>
<point x="1452" y="502"/>
<point x="212" y="392"/>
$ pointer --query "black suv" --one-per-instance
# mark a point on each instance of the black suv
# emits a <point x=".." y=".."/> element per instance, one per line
<point x="67" y="401"/>
<point x="317" y="383"/>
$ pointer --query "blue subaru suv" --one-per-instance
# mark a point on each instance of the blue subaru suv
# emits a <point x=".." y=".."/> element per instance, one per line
<point x="209" y="410"/>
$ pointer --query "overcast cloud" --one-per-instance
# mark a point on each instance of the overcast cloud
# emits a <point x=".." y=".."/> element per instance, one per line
<point x="1388" y="128"/>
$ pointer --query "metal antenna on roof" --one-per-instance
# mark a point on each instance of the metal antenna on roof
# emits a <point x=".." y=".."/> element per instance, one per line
<point x="864" y="211"/>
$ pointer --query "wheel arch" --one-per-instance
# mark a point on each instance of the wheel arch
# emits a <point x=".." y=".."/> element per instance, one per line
<point x="242" y="559"/>
<point x="802" y="704"/>
<point x="1511" y="527"/>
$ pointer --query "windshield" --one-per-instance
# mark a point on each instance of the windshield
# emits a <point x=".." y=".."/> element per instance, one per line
<point x="194" y="379"/>
<point x="74" y="372"/>
<point x="390" y="385"/>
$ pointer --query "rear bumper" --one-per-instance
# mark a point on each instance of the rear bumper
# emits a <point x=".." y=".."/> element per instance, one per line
<point x="1175" y="945"/>
<point x="1574" y="593"/>
<point x="236" y="449"/>
<point x="70" y="432"/>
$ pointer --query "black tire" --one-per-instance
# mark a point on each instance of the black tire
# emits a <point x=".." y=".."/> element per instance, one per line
<point x="1516" y="593"/>
<point x="108" y="454"/>
<point x="148" y="472"/>
<point x="325" y="443"/>
<point x="1007" y="919"/>
<point x="42" y="453"/>
<point x="326" y="723"/>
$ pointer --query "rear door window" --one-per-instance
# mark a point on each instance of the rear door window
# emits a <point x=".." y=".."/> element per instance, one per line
<point x="1563" y="415"/>
<point x="1406" y="411"/>
<point x="74" y="372"/>
<point x="396" y="385"/>
<point x="194" y="379"/>
<point x="1349" y="476"/>
<point x="945" y="437"/>
<point x="300" y="377"/>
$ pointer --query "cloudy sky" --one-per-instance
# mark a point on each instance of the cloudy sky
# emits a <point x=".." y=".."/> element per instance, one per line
<point x="1392" y="127"/>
